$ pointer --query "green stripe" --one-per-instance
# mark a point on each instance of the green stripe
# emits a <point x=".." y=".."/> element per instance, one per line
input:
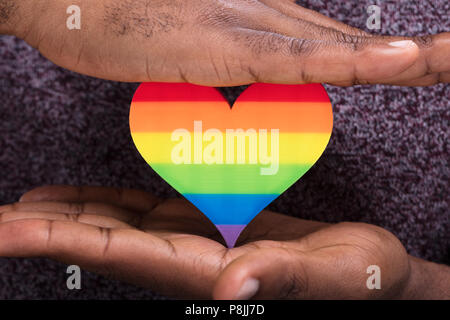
<point x="229" y="179"/>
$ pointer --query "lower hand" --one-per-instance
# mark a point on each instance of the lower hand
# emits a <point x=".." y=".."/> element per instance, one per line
<point x="169" y="246"/>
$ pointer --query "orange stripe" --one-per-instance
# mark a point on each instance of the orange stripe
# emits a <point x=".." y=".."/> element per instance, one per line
<point x="286" y="116"/>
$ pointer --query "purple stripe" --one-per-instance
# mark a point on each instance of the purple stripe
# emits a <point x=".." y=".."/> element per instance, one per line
<point x="230" y="232"/>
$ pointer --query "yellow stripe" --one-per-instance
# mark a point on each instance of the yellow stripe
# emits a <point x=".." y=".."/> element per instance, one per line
<point x="294" y="148"/>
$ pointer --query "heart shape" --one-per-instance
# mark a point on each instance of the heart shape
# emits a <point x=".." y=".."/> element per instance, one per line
<point x="231" y="162"/>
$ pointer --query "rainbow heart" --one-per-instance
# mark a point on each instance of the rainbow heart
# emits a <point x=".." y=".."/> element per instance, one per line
<point x="231" y="162"/>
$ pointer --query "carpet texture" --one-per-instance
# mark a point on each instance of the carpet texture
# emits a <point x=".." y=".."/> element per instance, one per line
<point x="387" y="162"/>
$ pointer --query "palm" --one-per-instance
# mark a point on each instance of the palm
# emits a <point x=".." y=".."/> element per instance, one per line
<point x="168" y="245"/>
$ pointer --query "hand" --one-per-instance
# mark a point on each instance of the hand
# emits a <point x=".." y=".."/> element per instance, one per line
<point x="222" y="43"/>
<point x="169" y="246"/>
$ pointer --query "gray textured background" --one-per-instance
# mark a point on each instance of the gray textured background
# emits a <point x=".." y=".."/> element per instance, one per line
<point x="386" y="164"/>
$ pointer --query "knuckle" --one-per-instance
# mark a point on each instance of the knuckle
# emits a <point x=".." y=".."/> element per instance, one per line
<point x="49" y="234"/>
<point x="106" y="237"/>
<point x="254" y="74"/>
<point x="305" y="77"/>
<point x="351" y="41"/>
<point x="7" y="10"/>
<point x="298" y="46"/>
<point x="73" y="217"/>
<point x="424" y="41"/>
<point x="76" y="208"/>
<point x="217" y="16"/>
<point x="270" y="42"/>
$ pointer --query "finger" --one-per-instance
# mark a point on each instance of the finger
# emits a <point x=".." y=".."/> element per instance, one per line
<point x="75" y="208"/>
<point x="433" y="54"/>
<point x="292" y="9"/>
<point x="424" y="81"/>
<point x="179" y="216"/>
<point x="436" y="52"/>
<point x="268" y="225"/>
<point x="275" y="58"/>
<point x="275" y="20"/>
<point x="130" y="199"/>
<point x="427" y="80"/>
<point x="431" y="67"/>
<point x="328" y="264"/>
<point x="95" y="220"/>
<point x="444" y="77"/>
<point x="125" y="254"/>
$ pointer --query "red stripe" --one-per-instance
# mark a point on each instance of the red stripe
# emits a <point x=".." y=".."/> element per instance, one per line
<point x="161" y="91"/>
<point x="285" y="93"/>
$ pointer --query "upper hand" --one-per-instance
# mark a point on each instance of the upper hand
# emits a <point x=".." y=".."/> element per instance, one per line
<point x="169" y="246"/>
<point x="226" y="43"/>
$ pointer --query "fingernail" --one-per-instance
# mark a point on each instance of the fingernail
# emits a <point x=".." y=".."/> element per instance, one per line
<point x="248" y="289"/>
<point x="402" y="44"/>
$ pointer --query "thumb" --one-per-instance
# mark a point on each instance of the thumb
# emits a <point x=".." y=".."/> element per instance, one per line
<point x="288" y="273"/>
<point x="263" y="274"/>
<point x="343" y="61"/>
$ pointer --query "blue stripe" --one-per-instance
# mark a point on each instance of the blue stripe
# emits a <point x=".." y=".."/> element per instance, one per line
<point x="231" y="208"/>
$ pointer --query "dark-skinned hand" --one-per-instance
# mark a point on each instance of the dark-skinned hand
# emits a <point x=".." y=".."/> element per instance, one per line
<point x="221" y="43"/>
<point x="169" y="246"/>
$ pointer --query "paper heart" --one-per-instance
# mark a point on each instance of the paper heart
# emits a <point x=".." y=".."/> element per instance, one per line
<point x="231" y="162"/>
